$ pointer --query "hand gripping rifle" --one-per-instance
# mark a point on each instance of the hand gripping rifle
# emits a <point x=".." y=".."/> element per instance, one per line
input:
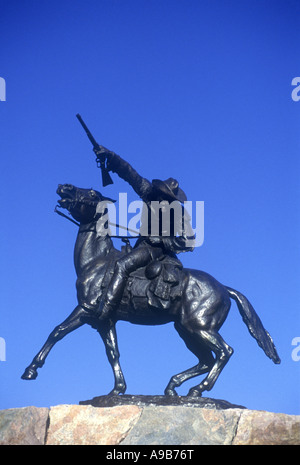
<point x="106" y="179"/>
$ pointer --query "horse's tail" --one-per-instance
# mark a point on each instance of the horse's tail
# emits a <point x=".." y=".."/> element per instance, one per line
<point x="254" y="324"/>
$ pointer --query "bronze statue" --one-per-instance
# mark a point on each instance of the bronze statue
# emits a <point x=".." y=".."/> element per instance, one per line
<point x="146" y="284"/>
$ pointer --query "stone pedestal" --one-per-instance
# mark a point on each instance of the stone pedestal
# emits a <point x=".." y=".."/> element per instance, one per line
<point x="147" y="420"/>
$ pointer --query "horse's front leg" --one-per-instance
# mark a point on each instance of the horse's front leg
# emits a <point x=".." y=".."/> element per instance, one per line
<point x="107" y="331"/>
<point x="74" y="321"/>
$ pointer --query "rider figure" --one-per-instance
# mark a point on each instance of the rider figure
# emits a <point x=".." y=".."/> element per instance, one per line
<point x="148" y="247"/>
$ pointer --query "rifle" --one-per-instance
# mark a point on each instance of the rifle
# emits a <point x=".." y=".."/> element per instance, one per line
<point x="100" y="159"/>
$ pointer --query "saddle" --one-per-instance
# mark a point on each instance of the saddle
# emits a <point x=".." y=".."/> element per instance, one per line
<point x="159" y="282"/>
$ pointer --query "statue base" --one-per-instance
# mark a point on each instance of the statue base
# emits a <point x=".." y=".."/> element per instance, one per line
<point x="141" y="401"/>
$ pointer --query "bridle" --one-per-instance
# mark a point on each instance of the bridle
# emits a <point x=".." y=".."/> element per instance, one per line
<point x="72" y="204"/>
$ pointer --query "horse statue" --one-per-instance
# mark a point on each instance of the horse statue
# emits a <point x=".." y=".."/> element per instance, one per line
<point x="196" y="302"/>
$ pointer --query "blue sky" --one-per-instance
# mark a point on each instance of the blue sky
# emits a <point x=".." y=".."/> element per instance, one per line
<point x="196" y="90"/>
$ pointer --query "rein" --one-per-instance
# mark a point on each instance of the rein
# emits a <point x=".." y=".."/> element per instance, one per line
<point x="65" y="216"/>
<point x="112" y="224"/>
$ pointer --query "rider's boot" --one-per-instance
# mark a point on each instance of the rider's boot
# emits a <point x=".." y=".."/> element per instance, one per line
<point x="113" y="296"/>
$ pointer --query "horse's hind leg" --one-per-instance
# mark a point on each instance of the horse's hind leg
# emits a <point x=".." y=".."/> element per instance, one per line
<point x="74" y="321"/>
<point x="180" y="378"/>
<point x="223" y="351"/>
<point x="206" y="361"/>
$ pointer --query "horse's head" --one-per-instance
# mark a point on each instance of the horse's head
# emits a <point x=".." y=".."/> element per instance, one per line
<point x="81" y="203"/>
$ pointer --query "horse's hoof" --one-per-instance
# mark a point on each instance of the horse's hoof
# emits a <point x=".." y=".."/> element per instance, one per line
<point x="194" y="393"/>
<point x="117" y="391"/>
<point x="29" y="373"/>
<point x="171" y="393"/>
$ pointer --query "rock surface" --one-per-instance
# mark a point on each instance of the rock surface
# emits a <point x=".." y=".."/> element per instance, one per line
<point x="183" y="426"/>
<point x="266" y="428"/>
<point x="75" y="424"/>
<point x="26" y="426"/>
<point x="146" y="424"/>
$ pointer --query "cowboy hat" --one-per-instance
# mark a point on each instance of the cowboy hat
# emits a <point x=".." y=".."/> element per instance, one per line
<point x="170" y="188"/>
